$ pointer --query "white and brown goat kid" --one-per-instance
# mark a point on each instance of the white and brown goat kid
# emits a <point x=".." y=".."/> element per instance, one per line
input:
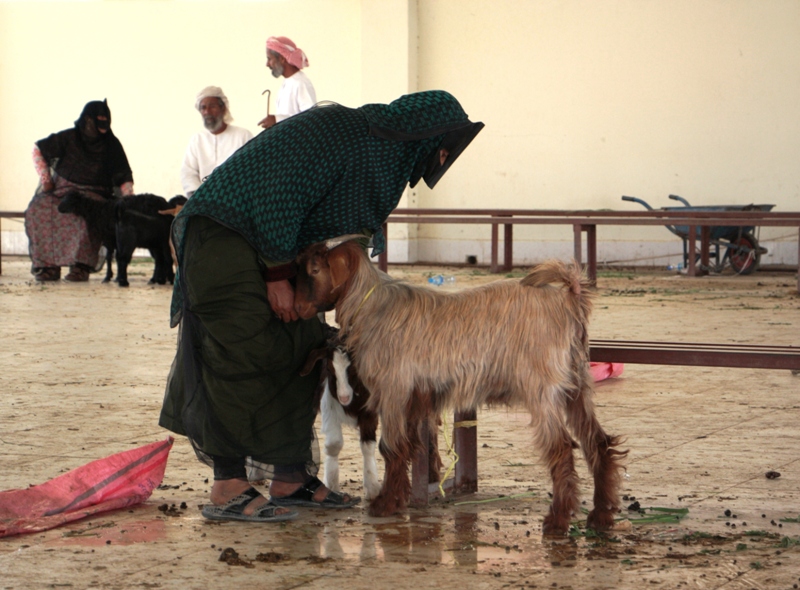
<point x="342" y="400"/>
<point x="516" y="343"/>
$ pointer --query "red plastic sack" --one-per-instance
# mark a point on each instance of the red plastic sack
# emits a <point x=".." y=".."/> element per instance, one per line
<point x="117" y="481"/>
<point x="602" y="371"/>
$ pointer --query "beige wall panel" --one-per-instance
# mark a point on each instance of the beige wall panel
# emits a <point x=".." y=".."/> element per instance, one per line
<point x="150" y="58"/>
<point x="389" y="70"/>
<point x="587" y="100"/>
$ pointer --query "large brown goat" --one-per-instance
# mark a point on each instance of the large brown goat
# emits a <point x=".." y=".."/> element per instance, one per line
<point x="517" y="343"/>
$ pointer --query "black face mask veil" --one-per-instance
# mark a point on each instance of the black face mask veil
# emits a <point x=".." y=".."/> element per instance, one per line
<point x="92" y="111"/>
<point x="454" y="142"/>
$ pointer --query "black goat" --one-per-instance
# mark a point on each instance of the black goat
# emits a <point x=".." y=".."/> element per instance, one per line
<point x="126" y="224"/>
<point x="139" y="225"/>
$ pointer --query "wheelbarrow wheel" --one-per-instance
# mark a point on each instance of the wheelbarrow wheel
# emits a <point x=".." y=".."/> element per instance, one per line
<point x="744" y="254"/>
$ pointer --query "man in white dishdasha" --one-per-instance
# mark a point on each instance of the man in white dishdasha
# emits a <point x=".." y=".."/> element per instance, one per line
<point x="212" y="146"/>
<point x="297" y="93"/>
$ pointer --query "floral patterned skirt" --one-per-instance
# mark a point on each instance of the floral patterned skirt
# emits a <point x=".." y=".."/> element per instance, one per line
<point x="60" y="239"/>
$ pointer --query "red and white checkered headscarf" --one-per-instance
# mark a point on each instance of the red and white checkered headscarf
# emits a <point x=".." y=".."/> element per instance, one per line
<point x="286" y="47"/>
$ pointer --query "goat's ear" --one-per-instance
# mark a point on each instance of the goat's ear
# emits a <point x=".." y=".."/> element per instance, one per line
<point x="314" y="357"/>
<point x="339" y="263"/>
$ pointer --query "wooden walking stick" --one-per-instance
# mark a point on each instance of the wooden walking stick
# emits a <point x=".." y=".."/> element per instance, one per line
<point x="269" y="94"/>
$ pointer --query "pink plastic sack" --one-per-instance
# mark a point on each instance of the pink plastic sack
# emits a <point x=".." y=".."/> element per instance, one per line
<point x="117" y="481"/>
<point x="602" y="371"/>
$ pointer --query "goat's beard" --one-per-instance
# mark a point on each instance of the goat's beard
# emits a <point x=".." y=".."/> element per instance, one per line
<point x="212" y="123"/>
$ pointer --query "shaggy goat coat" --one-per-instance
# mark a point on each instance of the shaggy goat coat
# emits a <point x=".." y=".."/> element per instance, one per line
<point x="517" y="343"/>
<point x="483" y="345"/>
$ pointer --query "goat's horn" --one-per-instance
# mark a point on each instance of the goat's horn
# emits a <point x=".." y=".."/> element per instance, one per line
<point x="338" y="241"/>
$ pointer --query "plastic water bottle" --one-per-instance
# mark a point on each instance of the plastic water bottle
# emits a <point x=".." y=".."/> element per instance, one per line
<point x="449" y="280"/>
<point x="436" y="281"/>
<point x="670" y="267"/>
<point x="680" y="266"/>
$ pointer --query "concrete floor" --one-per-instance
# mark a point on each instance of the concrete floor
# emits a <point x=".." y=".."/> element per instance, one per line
<point x="83" y="371"/>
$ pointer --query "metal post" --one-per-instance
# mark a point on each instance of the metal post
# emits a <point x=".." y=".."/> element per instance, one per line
<point x="508" y="247"/>
<point x="494" y="268"/>
<point x="578" y="251"/>
<point x="691" y="269"/>
<point x="591" y="253"/>
<point x="465" y="442"/>
<point x="705" y="236"/>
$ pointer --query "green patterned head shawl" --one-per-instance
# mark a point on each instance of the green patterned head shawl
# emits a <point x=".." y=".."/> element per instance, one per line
<point x="326" y="172"/>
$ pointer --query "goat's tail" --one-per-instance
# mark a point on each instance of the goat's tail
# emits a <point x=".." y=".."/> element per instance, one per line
<point x="572" y="277"/>
<point x="556" y="271"/>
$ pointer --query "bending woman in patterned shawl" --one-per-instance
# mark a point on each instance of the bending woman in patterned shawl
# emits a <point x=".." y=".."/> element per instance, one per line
<point x="235" y="388"/>
<point x="87" y="158"/>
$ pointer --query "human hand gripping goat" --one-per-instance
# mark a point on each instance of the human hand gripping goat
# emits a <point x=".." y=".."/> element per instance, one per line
<point x="280" y="295"/>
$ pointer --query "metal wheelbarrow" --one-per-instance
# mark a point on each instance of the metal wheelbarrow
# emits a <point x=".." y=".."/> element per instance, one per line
<point x="734" y="245"/>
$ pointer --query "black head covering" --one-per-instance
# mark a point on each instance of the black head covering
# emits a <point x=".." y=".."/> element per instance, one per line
<point x="93" y="110"/>
<point x="92" y="159"/>
<point x="437" y="114"/>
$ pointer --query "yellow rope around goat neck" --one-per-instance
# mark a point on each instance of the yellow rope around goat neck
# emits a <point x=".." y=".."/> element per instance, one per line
<point x="451" y="451"/>
<point x="362" y="302"/>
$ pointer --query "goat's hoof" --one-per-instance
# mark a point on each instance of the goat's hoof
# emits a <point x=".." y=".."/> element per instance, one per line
<point x="600" y="520"/>
<point x="125" y="284"/>
<point x="555" y="526"/>
<point x="106" y="280"/>
<point x="383" y="506"/>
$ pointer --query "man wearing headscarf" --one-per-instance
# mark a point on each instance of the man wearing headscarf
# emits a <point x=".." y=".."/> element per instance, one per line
<point x="235" y="387"/>
<point x="87" y="158"/>
<point x="297" y="94"/>
<point x="211" y="147"/>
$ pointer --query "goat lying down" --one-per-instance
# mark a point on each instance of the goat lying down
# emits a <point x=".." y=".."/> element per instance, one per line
<point x="516" y="343"/>
<point x="342" y="400"/>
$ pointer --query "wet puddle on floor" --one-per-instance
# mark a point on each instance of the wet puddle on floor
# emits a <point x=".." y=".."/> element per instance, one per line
<point x="496" y="541"/>
<point x="481" y="542"/>
<point x="107" y="532"/>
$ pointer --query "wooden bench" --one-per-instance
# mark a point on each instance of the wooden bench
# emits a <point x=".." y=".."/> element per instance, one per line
<point x="8" y="215"/>
<point x="586" y="222"/>
<point x="749" y="356"/>
<point x="465" y="431"/>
